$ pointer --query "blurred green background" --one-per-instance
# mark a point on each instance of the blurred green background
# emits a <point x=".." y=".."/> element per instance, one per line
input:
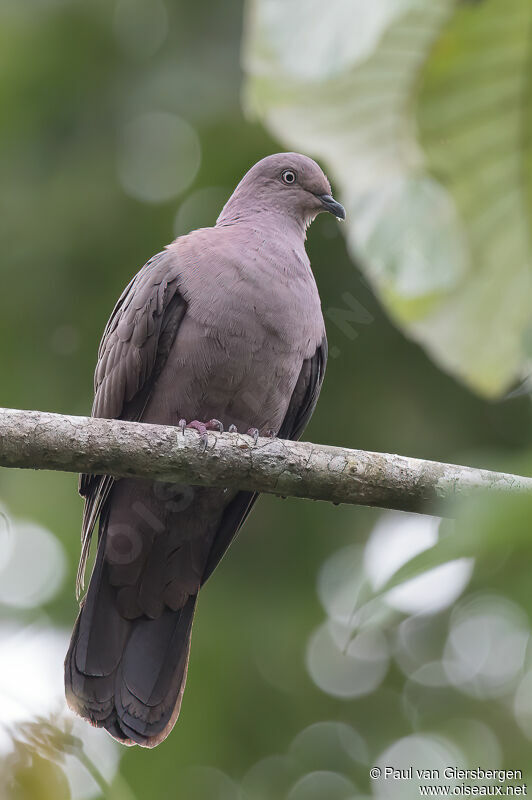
<point x="126" y="123"/>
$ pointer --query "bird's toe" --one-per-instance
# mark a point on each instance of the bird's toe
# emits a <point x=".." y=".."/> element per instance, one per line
<point x="254" y="433"/>
<point x="214" y="425"/>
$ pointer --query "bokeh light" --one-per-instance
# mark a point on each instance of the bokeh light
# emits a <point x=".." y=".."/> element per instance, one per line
<point x="418" y="650"/>
<point x="207" y="783"/>
<point x="419" y="751"/>
<point x="32" y="565"/>
<point x="318" y="785"/>
<point x="330" y="745"/>
<point x="395" y="540"/>
<point x="159" y="156"/>
<point x="523" y="704"/>
<point x="340" y="581"/>
<point x="486" y="647"/>
<point x="270" y="778"/>
<point x="345" y="665"/>
<point x="31" y="686"/>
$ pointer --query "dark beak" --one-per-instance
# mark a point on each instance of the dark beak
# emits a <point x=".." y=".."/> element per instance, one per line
<point x="330" y="204"/>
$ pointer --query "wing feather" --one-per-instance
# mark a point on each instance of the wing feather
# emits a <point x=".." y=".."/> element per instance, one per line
<point x="131" y="355"/>
<point x="305" y="395"/>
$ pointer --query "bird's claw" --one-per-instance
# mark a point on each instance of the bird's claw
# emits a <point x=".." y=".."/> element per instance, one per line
<point x="215" y="425"/>
<point x="254" y="433"/>
<point x="202" y="428"/>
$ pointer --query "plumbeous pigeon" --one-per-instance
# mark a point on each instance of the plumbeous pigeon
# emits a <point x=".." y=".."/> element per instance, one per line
<point x="222" y="328"/>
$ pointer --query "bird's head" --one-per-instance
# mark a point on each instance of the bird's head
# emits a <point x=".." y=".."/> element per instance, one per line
<point x="287" y="183"/>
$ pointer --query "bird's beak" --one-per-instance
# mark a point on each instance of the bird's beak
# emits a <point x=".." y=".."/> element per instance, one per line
<point x="329" y="204"/>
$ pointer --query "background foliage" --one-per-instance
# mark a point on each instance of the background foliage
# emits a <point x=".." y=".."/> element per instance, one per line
<point x="422" y="111"/>
<point x="121" y="127"/>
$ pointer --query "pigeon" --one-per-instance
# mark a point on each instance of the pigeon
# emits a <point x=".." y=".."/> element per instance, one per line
<point x="222" y="329"/>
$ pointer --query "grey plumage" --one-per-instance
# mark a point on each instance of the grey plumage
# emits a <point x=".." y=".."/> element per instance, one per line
<point x="225" y="323"/>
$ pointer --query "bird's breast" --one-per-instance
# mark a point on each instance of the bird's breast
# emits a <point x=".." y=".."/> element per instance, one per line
<point x="251" y="321"/>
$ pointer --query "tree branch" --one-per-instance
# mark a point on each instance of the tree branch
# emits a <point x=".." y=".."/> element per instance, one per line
<point x="37" y="440"/>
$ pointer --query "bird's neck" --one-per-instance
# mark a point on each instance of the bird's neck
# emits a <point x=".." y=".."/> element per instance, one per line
<point x="270" y="221"/>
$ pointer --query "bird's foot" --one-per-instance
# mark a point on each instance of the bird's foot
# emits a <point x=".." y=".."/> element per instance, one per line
<point x="202" y="428"/>
<point x="254" y="433"/>
<point x="214" y="425"/>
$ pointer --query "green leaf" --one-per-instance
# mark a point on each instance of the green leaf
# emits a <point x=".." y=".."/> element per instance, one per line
<point x="419" y="111"/>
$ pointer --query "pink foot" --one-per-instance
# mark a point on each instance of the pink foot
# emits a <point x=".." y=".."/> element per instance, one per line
<point x="202" y="428"/>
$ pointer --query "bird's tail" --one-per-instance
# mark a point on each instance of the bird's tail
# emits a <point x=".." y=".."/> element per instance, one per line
<point x="127" y="675"/>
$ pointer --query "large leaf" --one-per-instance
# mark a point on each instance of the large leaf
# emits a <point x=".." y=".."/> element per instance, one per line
<point x="419" y="112"/>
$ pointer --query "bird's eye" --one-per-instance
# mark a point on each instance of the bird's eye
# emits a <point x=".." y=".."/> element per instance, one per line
<point x="289" y="176"/>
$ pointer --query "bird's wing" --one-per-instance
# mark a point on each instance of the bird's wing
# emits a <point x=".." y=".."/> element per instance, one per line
<point x="306" y="393"/>
<point x="300" y="409"/>
<point x="132" y="353"/>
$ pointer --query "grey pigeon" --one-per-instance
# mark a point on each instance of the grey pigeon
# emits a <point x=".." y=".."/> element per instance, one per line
<point x="222" y="328"/>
